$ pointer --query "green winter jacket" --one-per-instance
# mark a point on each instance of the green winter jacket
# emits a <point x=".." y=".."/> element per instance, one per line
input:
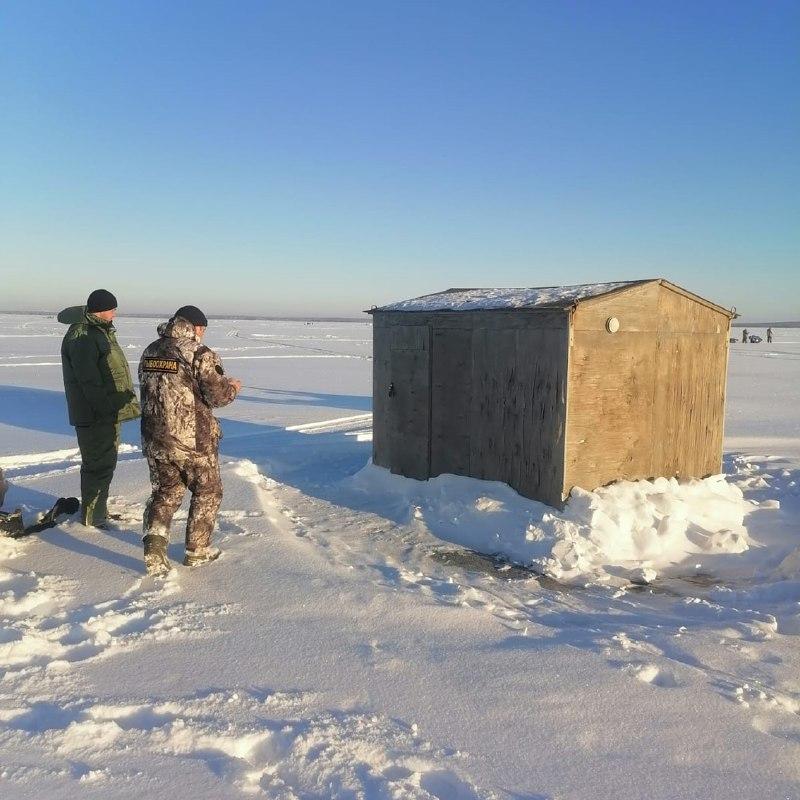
<point x="97" y="380"/>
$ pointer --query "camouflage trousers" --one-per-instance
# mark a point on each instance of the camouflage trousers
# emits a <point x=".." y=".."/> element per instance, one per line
<point x="170" y="480"/>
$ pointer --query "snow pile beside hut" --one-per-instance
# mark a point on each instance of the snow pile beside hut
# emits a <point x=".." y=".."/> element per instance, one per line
<point x="642" y="525"/>
<point x="633" y="529"/>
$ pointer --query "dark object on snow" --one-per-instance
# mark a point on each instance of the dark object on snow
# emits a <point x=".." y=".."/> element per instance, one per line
<point x="64" y="506"/>
<point x="733" y="341"/>
<point x="755" y="339"/>
<point x="548" y="389"/>
<point x="769" y="335"/>
<point x="11" y="524"/>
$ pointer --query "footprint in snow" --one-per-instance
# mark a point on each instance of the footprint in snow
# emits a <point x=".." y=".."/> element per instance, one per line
<point x="275" y="745"/>
<point x="40" y="632"/>
<point x="655" y="676"/>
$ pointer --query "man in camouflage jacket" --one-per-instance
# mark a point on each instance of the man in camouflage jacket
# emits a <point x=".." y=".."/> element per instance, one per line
<point x="181" y="381"/>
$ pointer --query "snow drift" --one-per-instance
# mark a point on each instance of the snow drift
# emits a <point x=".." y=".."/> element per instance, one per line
<point x="641" y="527"/>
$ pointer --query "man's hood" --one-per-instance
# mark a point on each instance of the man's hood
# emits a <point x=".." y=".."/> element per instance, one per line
<point x="75" y="314"/>
<point x="71" y="315"/>
<point x="177" y="328"/>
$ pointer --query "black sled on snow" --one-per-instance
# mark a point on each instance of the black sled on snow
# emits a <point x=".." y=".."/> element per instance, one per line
<point x="12" y="526"/>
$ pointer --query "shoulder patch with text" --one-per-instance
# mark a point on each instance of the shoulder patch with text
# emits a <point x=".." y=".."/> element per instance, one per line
<point x="160" y="365"/>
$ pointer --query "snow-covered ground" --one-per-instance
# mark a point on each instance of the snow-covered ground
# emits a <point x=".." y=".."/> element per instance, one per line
<point x="352" y="644"/>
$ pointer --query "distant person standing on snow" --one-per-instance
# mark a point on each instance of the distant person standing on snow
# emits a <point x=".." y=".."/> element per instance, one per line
<point x="745" y="334"/>
<point x="182" y="380"/>
<point x="3" y="488"/>
<point x="100" y="396"/>
<point x="769" y="335"/>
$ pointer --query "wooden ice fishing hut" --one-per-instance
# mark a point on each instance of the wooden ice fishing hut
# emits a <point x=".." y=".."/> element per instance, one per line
<point x="551" y="388"/>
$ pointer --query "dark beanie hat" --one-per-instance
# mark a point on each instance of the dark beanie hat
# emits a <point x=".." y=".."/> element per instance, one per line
<point x="192" y="314"/>
<point x="100" y="300"/>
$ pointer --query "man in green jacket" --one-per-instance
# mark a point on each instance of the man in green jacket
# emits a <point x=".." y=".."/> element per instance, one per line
<point x="99" y="389"/>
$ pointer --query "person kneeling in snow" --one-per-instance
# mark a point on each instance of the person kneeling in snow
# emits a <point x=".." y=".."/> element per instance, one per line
<point x="181" y="381"/>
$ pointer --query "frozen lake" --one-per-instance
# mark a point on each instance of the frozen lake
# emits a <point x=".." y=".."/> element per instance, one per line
<point x="347" y="646"/>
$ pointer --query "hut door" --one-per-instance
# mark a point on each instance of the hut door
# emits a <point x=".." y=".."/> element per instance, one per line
<point x="408" y="401"/>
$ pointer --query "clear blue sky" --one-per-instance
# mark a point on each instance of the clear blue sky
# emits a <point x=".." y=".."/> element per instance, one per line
<point x="321" y="157"/>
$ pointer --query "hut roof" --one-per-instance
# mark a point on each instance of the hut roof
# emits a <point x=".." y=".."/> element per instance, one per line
<point x="492" y="299"/>
<point x="531" y="298"/>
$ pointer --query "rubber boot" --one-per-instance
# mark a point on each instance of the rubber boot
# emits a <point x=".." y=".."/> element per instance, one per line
<point x="156" y="560"/>
<point x="194" y="558"/>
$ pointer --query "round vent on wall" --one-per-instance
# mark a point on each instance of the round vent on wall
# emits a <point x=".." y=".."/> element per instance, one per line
<point x="612" y="324"/>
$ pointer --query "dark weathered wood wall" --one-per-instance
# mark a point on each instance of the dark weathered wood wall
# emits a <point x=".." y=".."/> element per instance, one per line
<point x="648" y="400"/>
<point x="401" y="398"/>
<point x="497" y="393"/>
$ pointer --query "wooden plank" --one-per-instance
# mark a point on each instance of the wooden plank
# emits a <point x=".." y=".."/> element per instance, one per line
<point x="469" y="320"/>
<point x="518" y="409"/>
<point x="381" y="445"/>
<point x="485" y="434"/>
<point x="409" y="337"/>
<point x="697" y="299"/>
<point x="508" y="403"/>
<point x="451" y="394"/>
<point x="689" y="405"/>
<point x="635" y="308"/>
<point x="678" y="314"/>
<point x="407" y="401"/>
<point x="542" y="365"/>
<point x="610" y="407"/>
<point x="690" y="386"/>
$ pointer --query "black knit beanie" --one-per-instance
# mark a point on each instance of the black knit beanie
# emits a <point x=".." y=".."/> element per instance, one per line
<point x="100" y="300"/>
<point x="192" y="314"/>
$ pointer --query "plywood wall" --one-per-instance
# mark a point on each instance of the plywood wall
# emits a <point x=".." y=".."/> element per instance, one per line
<point x="648" y="400"/>
<point x="401" y="399"/>
<point x="497" y="397"/>
<point x="689" y="387"/>
<point x="518" y="409"/>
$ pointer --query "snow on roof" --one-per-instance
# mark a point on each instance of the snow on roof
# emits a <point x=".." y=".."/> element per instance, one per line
<point x="486" y="299"/>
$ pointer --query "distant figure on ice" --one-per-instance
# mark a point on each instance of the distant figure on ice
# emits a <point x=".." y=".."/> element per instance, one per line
<point x="181" y="381"/>
<point x="3" y="488"/>
<point x="745" y="334"/>
<point x="100" y="396"/>
<point x="769" y="335"/>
